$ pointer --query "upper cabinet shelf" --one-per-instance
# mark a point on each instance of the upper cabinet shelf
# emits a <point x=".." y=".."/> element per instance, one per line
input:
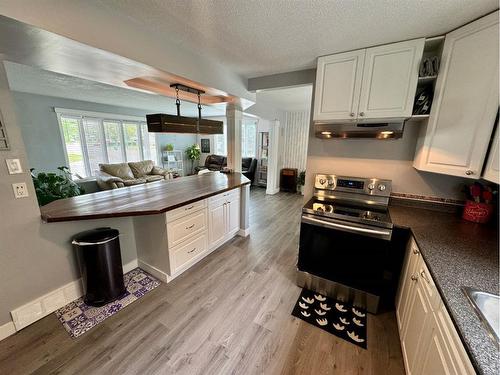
<point x="455" y="139"/>
<point x="371" y="84"/>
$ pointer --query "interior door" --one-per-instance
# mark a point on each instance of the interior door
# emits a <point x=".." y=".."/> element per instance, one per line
<point x="338" y="85"/>
<point x="390" y="80"/>
<point x="465" y="102"/>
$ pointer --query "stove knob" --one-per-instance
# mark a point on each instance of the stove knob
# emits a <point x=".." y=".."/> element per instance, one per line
<point x="322" y="181"/>
<point x="371" y="187"/>
<point x="330" y="182"/>
<point x="381" y="187"/>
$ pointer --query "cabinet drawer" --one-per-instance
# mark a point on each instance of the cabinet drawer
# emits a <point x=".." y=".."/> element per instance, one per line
<point x="185" y="210"/>
<point x="227" y="195"/>
<point x="185" y="227"/>
<point x="188" y="251"/>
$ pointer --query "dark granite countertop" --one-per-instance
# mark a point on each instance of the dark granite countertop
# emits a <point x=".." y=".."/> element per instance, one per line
<point x="458" y="253"/>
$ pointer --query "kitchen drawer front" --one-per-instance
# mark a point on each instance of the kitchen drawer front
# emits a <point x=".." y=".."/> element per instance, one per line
<point x="184" y="253"/>
<point x="429" y="287"/>
<point x="227" y="195"/>
<point x="186" y="227"/>
<point x="185" y="210"/>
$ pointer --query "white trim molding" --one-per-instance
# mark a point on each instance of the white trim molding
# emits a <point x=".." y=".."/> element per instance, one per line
<point x="7" y="330"/>
<point x="42" y="306"/>
<point x="107" y="116"/>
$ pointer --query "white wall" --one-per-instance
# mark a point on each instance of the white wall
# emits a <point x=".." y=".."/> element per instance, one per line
<point x="391" y="159"/>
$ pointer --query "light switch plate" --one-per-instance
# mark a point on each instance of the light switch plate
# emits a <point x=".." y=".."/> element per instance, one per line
<point x="20" y="190"/>
<point x="14" y="166"/>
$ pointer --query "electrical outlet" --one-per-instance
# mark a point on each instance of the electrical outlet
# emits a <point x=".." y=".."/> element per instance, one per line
<point x="20" y="190"/>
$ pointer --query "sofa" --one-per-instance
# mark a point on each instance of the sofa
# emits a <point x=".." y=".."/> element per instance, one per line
<point x="217" y="162"/>
<point x="113" y="176"/>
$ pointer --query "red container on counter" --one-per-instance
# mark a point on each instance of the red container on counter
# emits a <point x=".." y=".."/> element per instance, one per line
<point x="477" y="212"/>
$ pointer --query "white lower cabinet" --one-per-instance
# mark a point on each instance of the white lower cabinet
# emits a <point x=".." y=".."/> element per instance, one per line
<point x="429" y="341"/>
<point x="224" y="217"/>
<point x="169" y="244"/>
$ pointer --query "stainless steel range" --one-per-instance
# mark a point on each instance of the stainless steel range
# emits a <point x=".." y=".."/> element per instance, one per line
<point x="345" y="245"/>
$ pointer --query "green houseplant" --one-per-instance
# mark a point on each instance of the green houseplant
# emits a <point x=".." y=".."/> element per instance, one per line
<point x="301" y="181"/>
<point x="53" y="186"/>
<point x="193" y="153"/>
<point x="169" y="147"/>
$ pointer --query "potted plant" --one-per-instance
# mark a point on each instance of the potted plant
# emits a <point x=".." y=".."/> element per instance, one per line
<point x="169" y="147"/>
<point x="301" y="180"/>
<point x="193" y="153"/>
<point x="53" y="186"/>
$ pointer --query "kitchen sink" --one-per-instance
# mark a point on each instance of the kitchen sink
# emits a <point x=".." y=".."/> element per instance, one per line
<point x="487" y="307"/>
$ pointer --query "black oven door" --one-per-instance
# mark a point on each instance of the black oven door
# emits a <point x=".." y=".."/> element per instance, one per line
<point x="351" y="254"/>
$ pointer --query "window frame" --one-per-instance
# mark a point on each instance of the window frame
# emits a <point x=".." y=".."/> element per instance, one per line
<point x="102" y="117"/>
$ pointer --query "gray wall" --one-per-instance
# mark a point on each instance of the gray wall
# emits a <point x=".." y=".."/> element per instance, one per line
<point x="391" y="159"/>
<point x="35" y="258"/>
<point x="42" y="137"/>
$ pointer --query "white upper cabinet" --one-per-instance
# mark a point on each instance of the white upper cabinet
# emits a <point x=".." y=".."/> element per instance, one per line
<point x="390" y="79"/>
<point x="368" y="84"/>
<point x="456" y="138"/>
<point x="492" y="168"/>
<point x="338" y="84"/>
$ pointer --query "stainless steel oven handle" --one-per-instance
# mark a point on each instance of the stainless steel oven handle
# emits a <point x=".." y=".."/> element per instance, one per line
<point x="344" y="227"/>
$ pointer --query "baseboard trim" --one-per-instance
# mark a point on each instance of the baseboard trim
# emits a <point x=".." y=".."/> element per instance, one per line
<point x="154" y="271"/>
<point x="7" y="330"/>
<point x="42" y="306"/>
<point x="243" y="232"/>
<point x="272" y="191"/>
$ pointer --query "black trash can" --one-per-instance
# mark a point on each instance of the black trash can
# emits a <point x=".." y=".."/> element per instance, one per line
<point x="101" y="262"/>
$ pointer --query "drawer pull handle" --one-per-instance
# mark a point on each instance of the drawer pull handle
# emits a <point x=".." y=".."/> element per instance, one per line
<point x="188" y="208"/>
<point x="415" y="251"/>
<point x="190" y="227"/>
<point x="414" y="278"/>
<point x="424" y="276"/>
<point x="192" y="251"/>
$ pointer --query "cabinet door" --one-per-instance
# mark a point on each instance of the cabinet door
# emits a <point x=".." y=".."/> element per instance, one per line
<point x="390" y="80"/>
<point x="416" y="332"/>
<point x="465" y="102"/>
<point x="491" y="170"/>
<point x="216" y="222"/>
<point x="233" y="216"/>
<point x="407" y="284"/>
<point x="338" y="84"/>
<point x="435" y="358"/>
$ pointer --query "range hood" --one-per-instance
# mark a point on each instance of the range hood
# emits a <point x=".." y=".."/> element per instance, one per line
<point x="385" y="130"/>
<point x="165" y="123"/>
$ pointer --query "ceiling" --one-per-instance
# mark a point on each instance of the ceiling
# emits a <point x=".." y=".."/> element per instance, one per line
<point x="287" y="99"/>
<point x="262" y="37"/>
<point x="42" y="82"/>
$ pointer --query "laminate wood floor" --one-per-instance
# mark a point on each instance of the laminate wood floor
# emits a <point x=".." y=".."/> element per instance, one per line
<point x="230" y="314"/>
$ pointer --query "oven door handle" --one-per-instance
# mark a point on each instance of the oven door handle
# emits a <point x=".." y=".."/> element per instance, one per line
<point x="378" y="233"/>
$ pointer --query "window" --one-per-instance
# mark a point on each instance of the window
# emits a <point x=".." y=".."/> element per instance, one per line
<point x="248" y="138"/>
<point x="220" y="142"/>
<point x="93" y="138"/>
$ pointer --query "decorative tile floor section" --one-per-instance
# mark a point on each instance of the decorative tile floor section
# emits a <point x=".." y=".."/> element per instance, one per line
<point x="78" y="317"/>
<point x="338" y="318"/>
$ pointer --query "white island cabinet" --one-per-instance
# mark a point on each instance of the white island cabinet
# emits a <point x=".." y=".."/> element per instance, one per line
<point x="456" y="138"/>
<point x="169" y="244"/>
<point x="368" y="84"/>
<point x="429" y="340"/>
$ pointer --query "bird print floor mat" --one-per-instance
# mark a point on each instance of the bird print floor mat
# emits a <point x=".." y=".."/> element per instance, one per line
<point x="338" y="318"/>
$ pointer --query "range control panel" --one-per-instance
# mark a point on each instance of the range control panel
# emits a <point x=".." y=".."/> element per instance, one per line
<point x="371" y="186"/>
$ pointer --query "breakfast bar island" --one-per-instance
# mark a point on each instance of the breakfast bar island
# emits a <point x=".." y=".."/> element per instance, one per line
<point x="176" y="222"/>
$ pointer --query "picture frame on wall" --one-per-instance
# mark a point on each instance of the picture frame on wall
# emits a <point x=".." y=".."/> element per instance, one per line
<point x="205" y="145"/>
<point x="4" y="143"/>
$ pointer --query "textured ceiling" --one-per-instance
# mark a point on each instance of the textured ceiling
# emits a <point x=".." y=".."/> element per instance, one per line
<point x="288" y="99"/>
<point x="42" y="82"/>
<point x="260" y="37"/>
